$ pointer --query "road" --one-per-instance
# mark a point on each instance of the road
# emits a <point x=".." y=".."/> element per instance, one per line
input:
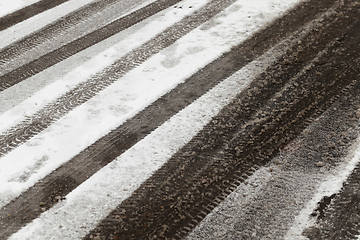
<point x="208" y="119"/>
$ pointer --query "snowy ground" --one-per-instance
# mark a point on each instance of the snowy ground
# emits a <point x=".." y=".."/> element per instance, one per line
<point x="129" y="95"/>
<point x="332" y="185"/>
<point x="37" y="22"/>
<point x="83" y="208"/>
<point x="7" y="7"/>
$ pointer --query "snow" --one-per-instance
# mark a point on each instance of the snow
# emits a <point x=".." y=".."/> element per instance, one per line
<point x="94" y="65"/>
<point x="112" y="184"/>
<point x="113" y="106"/>
<point x="330" y="186"/>
<point x="57" y="144"/>
<point x="20" y="30"/>
<point x="9" y="6"/>
<point x="132" y="93"/>
<point x="64" y="139"/>
<point x="96" y="197"/>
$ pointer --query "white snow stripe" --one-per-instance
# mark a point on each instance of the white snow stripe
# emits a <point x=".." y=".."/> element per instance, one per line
<point x="24" y="28"/>
<point x="138" y="35"/>
<point x="95" y="198"/>
<point x="7" y="7"/>
<point x="332" y="185"/>
<point x="27" y="164"/>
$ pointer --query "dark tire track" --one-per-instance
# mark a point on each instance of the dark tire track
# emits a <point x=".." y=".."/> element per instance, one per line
<point x="338" y="215"/>
<point x="62" y="181"/>
<point x="50" y="59"/>
<point x="69" y="27"/>
<point x="28" y="12"/>
<point x="272" y="210"/>
<point x="86" y="90"/>
<point x="341" y="220"/>
<point x="230" y="148"/>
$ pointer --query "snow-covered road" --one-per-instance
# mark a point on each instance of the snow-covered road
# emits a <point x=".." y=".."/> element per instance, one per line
<point x="56" y="120"/>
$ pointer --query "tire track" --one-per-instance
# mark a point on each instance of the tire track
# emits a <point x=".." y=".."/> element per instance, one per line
<point x="27" y="70"/>
<point x="210" y="167"/>
<point x="86" y="90"/>
<point x="341" y="221"/>
<point x="28" y="12"/>
<point x="340" y="213"/>
<point x="286" y="179"/>
<point x="52" y="29"/>
<point x="46" y="193"/>
<point x="74" y="25"/>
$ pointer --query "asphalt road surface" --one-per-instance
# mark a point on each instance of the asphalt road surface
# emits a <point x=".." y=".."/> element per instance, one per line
<point x="259" y="168"/>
